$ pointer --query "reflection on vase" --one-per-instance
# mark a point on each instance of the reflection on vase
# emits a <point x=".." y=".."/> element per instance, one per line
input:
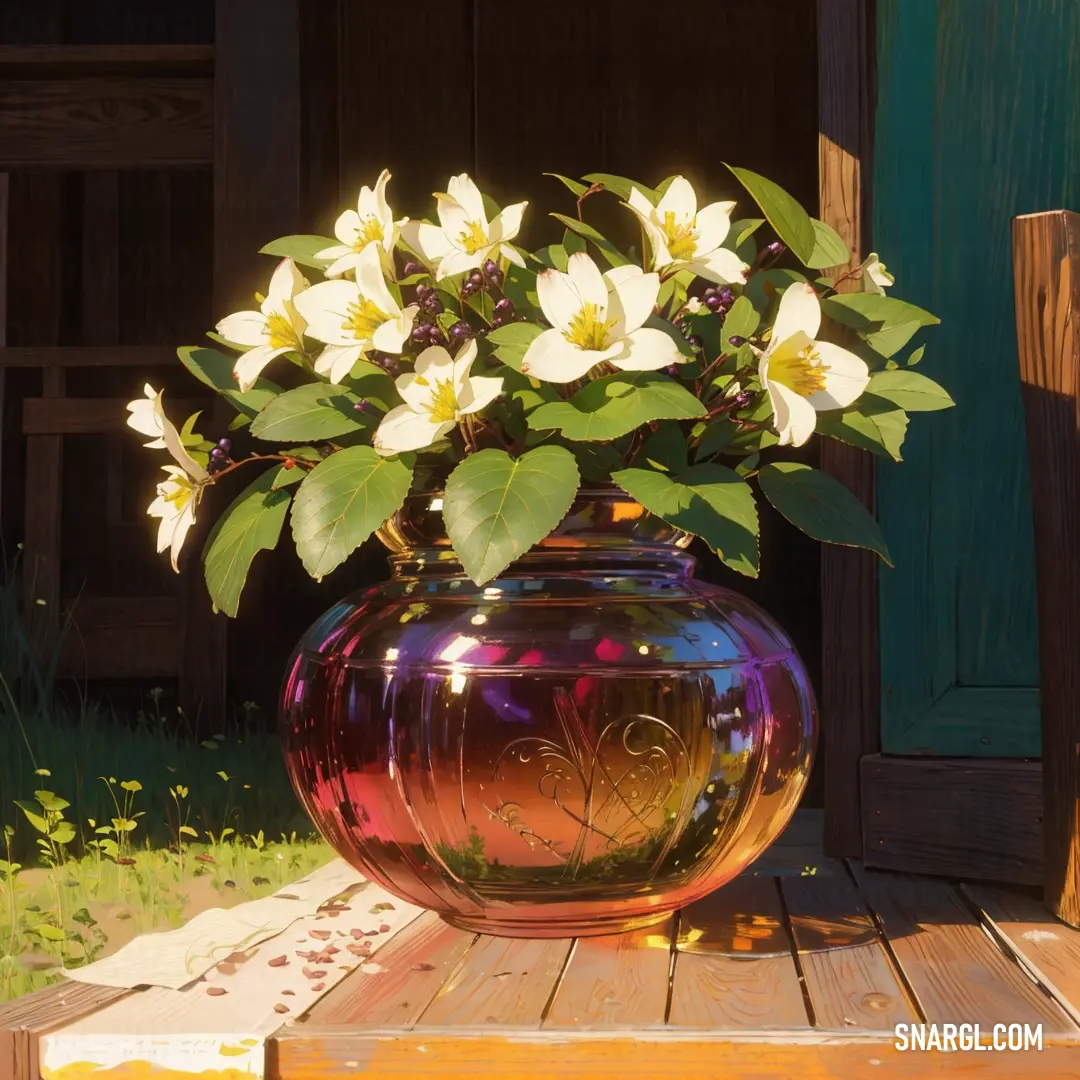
<point x="582" y="745"/>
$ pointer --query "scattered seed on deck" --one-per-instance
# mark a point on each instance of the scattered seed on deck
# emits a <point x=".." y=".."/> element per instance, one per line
<point x="288" y="993"/>
<point x="311" y="973"/>
<point x="384" y="928"/>
<point x="319" y="935"/>
<point x="279" y="961"/>
<point x="216" y="991"/>
<point x="280" y="1008"/>
<point x="226" y="968"/>
<point x="423" y="967"/>
<point x="317" y="987"/>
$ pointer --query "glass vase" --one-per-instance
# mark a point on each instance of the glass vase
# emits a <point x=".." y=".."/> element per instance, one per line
<point x="580" y="746"/>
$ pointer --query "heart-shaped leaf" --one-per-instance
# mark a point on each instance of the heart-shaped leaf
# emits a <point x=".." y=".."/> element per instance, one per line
<point x="215" y="369"/>
<point x="497" y="507"/>
<point x="791" y="222"/>
<point x="821" y="506"/>
<point x="910" y="390"/>
<point x="829" y="247"/>
<point x="310" y="413"/>
<point x="252" y="523"/>
<point x="342" y="502"/>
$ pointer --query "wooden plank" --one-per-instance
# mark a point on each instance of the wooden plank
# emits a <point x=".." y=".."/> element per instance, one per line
<point x="616" y="980"/>
<point x="5" y="188"/>
<point x="1048" y="948"/>
<point x="955" y="970"/>
<point x="121" y="637"/>
<point x="35" y="61"/>
<point x="25" y="1019"/>
<point x="734" y="968"/>
<point x="850" y="679"/>
<point x="79" y="356"/>
<point x="341" y="1054"/>
<point x="1046" y="260"/>
<point x="106" y="122"/>
<point x="845" y="966"/>
<point x="72" y="416"/>
<point x="947" y="816"/>
<point x="415" y="965"/>
<point x="507" y="981"/>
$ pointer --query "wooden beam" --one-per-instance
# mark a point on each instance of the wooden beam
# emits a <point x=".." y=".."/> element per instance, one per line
<point x="5" y="188"/>
<point x="90" y="416"/>
<point x="35" y="61"/>
<point x="849" y="591"/>
<point x="108" y="122"/>
<point x="69" y="356"/>
<point x="964" y="817"/>
<point x="1046" y="258"/>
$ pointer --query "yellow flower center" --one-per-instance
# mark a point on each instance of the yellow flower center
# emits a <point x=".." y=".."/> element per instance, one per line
<point x="681" y="239"/>
<point x="444" y="403"/>
<point x="798" y="366"/>
<point x="282" y="333"/>
<point x="176" y="493"/>
<point x="364" y="318"/>
<point x="587" y="331"/>
<point x="473" y="238"/>
<point x="371" y="229"/>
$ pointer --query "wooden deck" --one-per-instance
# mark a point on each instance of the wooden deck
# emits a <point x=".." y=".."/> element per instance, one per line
<point x="785" y="972"/>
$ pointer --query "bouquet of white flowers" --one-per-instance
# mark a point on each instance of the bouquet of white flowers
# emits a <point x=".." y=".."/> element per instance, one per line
<point x="439" y="356"/>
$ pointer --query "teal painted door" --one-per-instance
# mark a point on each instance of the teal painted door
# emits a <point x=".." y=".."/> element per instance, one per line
<point x="978" y="120"/>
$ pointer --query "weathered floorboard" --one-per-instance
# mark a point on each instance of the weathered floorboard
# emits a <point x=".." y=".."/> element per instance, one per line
<point x="958" y="974"/>
<point x="733" y="966"/>
<point x="845" y="966"/>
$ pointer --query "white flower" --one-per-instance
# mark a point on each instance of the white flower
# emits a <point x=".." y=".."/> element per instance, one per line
<point x="274" y="329"/>
<point x="685" y="238"/>
<point x="177" y="496"/>
<point x="370" y="223"/>
<point x="464" y="238"/>
<point x="804" y="376"/>
<point x="595" y="318"/>
<point x="874" y="278"/>
<point x="354" y="318"/>
<point x="437" y="394"/>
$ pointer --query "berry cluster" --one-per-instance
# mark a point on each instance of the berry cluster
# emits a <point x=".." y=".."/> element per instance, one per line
<point x="483" y="280"/>
<point x="719" y="301"/>
<point x="427" y="330"/>
<point x="219" y="456"/>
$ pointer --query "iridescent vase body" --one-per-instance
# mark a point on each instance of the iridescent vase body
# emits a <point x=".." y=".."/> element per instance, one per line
<point x="581" y="746"/>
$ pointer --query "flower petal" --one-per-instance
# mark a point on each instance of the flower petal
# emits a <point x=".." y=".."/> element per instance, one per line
<point x="335" y="251"/>
<point x="631" y="301"/>
<point x="370" y="280"/>
<point x="799" y="309"/>
<point x="510" y="253"/>
<point x="428" y="241"/>
<point x="793" y="415"/>
<point x="347" y="226"/>
<point x="587" y="281"/>
<point x="180" y="528"/>
<point x="479" y="392"/>
<point x="347" y="260"/>
<point x="435" y="364"/>
<point x="467" y="195"/>
<point x="846" y="377"/>
<point x="721" y="265"/>
<point x="249" y="365"/>
<point x="325" y="307"/>
<point x="558" y="299"/>
<point x="337" y="361"/>
<point x="390" y="336"/>
<point x="551" y="358"/>
<point x="402" y="429"/>
<point x="713" y="224"/>
<point x="507" y="222"/>
<point x="244" y="328"/>
<point x="382" y="207"/>
<point x="679" y="199"/>
<point x="285" y="284"/>
<point x="459" y="261"/>
<point x="463" y="362"/>
<point x="647" y="349"/>
<point x="640" y="204"/>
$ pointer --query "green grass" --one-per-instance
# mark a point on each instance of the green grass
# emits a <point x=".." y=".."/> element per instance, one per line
<point x="112" y="825"/>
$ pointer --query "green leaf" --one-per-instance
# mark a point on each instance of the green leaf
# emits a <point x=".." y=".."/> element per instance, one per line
<point x="829" y="248"/>
<point x="821" y="506"/>
<point x="32" y="815"/>
<point x="791" y="222"/>
<point x="665" y="450"/>
<point x="573" y="243"/>
<point x="885" y="323"/>
<point x="871" y="424"/>
<point x="708" y="500"/>
<point x="606" y="248"/>
<point x="910" y="390"/>
<point x="310" y="413"/>
<point x="300" y="249"/>
<point x="741" y="238"/>
<point x="131" y="785"/>
<point x="916" y="356"/>
<point x="655" y="322"/>
<point x="252" y="523"/>
<point x="342" y="501"/>
<point x="661" y="188"/>
<point x="616" y="404"/>
<point x="513" y="340"/>
<point x="554" y="257"/>
<point x="50" y="801"/>
<point x="742" y="320"/>
<point x="596" y="461"/>
<point x="622" y="185"/>
<point x="577" y="188"/>
<point x="215" y="369"/>
<point x="50" y="932"/>
<point x="497" y="507"/>
<point x="717" y="437"/>
<point x="64" y="833"/>
<point x="520" y="287"/>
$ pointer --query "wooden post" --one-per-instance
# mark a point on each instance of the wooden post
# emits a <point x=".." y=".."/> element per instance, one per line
<point x="849" y="586"/>
<point x="1046" y="261"/>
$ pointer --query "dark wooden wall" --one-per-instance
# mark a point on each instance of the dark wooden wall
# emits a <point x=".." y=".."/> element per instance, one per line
<point x="503" y="91"/>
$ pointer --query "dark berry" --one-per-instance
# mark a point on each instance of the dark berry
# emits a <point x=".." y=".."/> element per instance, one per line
<point x="217" y="454"/>
<point x="361" y="405"/>
<point x="433" y="304"/>
<point x="694" y="341"/>
<point x="496" y="278"/>
<point x="709" y="293"/>
<point x="420" y="333"/>
<point x="714" y="303"/>
<point x="438" y="337"/>
<point x="672" y="370"/>
<point x="726" y="294"/>
<point x="470" y="288"/>
<point x="413" y="267"/>
<point x="742" y="399"/>
<point x="497" y="322"/>
<point x="460" y="331"/>
<point x="775" y="248"/>
<point x="423" y="292"/>
<point x="505" y="306"/>
<point x="476" y="277"/>
<point x="491" y="268"/>
<point x="736" y="342"/>
<point x="225" y="445"/>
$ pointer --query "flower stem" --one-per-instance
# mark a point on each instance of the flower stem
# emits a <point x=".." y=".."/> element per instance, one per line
<point x="591" y="190"/>
<point x="234" y="465"/>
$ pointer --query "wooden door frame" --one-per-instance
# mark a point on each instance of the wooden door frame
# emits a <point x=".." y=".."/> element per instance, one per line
<point x="932" y="815"/>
